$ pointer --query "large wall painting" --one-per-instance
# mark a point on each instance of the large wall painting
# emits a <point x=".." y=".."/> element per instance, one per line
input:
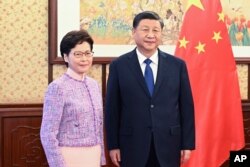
<point x="110" y="23"/>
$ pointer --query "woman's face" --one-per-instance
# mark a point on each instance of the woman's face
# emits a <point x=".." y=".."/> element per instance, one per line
<point x="80" y="58"/>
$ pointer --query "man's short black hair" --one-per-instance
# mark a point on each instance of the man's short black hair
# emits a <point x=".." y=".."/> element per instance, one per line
<point x="147" y="15"/>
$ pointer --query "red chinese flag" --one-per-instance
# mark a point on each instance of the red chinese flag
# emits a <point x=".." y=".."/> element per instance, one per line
<point x="205" y="46"/>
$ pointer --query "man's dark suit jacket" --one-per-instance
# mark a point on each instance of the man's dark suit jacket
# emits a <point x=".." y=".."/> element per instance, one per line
<point x="132" y="116"/>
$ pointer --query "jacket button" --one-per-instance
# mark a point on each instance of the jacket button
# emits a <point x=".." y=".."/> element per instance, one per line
<point x="76" y="124"/>
<point x="152" y="106"/>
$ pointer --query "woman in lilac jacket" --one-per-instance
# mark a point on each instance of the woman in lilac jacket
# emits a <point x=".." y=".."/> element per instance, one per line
<point x="72" y="123"/>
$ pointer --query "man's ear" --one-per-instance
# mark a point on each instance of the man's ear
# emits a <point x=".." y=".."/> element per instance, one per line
<point x="133" y="31"/>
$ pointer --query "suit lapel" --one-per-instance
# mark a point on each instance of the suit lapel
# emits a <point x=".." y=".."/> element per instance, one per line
<point x="161" y="72"/>
<point x="136" y="69"/>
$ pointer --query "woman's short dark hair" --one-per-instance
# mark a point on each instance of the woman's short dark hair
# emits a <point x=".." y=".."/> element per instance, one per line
<point x="147" y="15"/>
<point x="73" y="38"/>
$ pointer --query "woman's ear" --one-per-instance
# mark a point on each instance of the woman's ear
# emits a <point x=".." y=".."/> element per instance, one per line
<point x="66" y="58"/>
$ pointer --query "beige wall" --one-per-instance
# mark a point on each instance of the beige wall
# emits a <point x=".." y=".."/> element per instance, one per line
<point x="24" y="53"/>
<point x="24" y="50"/>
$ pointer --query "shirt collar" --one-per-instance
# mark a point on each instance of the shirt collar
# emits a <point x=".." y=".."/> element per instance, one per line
<point x="74" y="75"/>
<point x="142" y="58"/>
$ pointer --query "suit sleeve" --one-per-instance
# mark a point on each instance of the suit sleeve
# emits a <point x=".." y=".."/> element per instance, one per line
<point x="112" y="110"/>
<point x="52" y="113"/>
<point x="187" y="111"/>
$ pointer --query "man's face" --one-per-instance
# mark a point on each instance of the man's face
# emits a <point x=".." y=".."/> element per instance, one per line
<point x="147" y="36"/>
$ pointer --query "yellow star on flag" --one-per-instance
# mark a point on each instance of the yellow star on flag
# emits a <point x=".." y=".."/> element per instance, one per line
<point x="200" y="47"/>
<point x="216" y="36"/>
<point x="183" y="42"/>
<point x="196" y="3"/>
<point x="221" y="16"/>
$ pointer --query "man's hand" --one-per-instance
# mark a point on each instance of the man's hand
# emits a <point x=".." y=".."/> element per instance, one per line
<point x="185" y="155"/>
<point x="115" y="156"/>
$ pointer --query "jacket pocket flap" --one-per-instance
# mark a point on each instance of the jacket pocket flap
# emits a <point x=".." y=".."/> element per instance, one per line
<point x="175" y="130"/>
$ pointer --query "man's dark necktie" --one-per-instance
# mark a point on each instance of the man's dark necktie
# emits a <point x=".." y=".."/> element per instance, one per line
<point x="149" y="78"/>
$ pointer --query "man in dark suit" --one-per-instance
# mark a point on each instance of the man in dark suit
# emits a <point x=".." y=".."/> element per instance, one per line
<point x="149" y="106"/>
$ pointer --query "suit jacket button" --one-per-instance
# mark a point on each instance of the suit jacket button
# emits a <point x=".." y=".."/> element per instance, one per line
<point x="152" y="106"/>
